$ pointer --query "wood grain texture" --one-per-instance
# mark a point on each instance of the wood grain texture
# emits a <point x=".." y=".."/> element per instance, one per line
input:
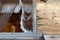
<point x="48" y="18"/>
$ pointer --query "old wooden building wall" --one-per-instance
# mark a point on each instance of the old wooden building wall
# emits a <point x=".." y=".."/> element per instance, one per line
<point x="48" y="18"/>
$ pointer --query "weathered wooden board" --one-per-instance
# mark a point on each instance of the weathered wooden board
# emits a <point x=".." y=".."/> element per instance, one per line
<point x="48" y="18"/>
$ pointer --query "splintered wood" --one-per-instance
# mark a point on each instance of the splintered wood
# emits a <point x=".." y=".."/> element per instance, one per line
<point x="48" y="18"/>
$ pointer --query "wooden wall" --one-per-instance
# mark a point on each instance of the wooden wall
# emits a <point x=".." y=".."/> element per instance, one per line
<point x="48" y="18"/>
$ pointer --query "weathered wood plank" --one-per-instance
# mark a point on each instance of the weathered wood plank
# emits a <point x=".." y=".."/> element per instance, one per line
<point x="48" y="18"/>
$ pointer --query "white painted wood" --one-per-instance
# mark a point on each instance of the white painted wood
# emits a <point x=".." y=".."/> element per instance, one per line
<point x="18" y="36"/>
<point x="34" y="16"/>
